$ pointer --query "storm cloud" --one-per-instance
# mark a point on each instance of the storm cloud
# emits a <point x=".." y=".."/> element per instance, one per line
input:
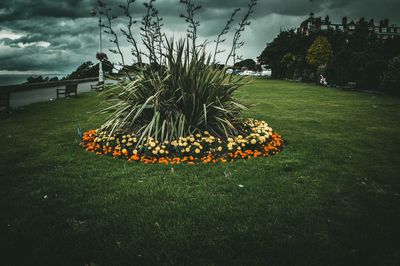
<point x="57" y="36"/>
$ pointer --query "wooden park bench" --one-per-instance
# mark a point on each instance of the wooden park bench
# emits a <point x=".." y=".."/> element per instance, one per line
<point x="351" y="85"/>
<point x="70" y="89"/>
<point x="97" y="87"/>
<point x="4" y="101"/>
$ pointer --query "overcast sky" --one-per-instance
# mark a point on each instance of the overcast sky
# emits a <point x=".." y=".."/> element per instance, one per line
<point x="56" y="36"/>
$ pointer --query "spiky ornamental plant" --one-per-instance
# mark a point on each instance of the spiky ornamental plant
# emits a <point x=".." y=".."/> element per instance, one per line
<point x="185" y="95"/>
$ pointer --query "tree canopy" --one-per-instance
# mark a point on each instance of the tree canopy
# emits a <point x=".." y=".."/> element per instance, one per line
<point x="248" y="63"/>
<point x="359" y="56"/>
<point x="320" y="52"/>
<point x="89" y="70"/>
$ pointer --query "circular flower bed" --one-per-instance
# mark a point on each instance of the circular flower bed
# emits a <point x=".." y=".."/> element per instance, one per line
<point x="259" y="140"/>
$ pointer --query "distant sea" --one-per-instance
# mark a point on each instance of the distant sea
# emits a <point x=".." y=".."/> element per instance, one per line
<point x="14" y="79"/>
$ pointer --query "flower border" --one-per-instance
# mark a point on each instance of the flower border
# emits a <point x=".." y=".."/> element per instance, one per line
<point x="260" y="141"/>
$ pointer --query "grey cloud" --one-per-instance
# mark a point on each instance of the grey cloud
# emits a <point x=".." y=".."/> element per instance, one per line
<point x="73" y="33"/>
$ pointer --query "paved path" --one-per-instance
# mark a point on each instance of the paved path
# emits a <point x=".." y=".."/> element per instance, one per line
<point x="18" y="99"/>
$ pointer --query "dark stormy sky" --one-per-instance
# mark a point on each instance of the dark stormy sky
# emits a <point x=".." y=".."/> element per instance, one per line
<point x="55" y="36"/>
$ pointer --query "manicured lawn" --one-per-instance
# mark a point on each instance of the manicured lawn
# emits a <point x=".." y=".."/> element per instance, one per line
<point x="332" y="197"/>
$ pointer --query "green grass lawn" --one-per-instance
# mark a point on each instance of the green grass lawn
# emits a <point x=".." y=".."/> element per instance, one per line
<point x="332" y="197"/>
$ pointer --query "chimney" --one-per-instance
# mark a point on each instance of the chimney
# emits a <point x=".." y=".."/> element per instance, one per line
<point x="327" y="20"/>
<point x="318" y="22"/>
<point x="371" y="22"/>
<point x="386" y="22"/>
<point x="344" y="22"/>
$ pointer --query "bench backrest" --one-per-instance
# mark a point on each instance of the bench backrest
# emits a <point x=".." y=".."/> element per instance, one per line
<point x="71" y="87"/>
<point x="352" y="84"/>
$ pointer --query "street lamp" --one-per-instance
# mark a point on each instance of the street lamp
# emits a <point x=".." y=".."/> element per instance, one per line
<point x="94" y="13"/>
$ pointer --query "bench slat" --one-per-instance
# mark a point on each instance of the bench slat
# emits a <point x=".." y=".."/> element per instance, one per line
<point x="68" y="90"/>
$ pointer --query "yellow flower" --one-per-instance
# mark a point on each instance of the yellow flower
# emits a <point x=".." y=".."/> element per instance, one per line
<point x="253" y="141"/>
<point x="162" y="151"/>
<point x="219" y="148"/>
<point x="198" y="135"/>
<point x="197" y="150"/>
<point x="152" y="144"/>
<point x="187" y="149"/>
<point x="192" y="139"/>
<point x="134" y="151"/>
<point x="155" y="151"/>
<point x="124" y="141"/>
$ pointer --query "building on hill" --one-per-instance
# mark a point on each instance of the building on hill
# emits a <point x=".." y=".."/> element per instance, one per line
<point x="383" y="29"/>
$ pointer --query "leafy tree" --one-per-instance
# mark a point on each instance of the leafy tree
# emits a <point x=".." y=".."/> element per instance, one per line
<point x="371" y="74"/>
<point x="88" y="70"/>
<point x="391" y="77"/>
<point x="360" y="56"/>
<point x="289" y="61"/>
<point x="336" y="68"/>
<point x="320" y="52"/>
<point x="38" y="79"/>
<point x="248" y="63"/>
<point x="82" y="71"/>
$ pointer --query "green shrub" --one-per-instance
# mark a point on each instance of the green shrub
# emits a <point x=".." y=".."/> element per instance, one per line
<point x="186" y="96"/>
<point x="371" y="74"/>
<point x="391" y="77"/>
